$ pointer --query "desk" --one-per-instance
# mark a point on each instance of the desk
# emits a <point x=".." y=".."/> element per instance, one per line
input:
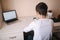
<point x="56" y="31"/>
<point x="56" y="27"/>
<point x="56" y="24"/>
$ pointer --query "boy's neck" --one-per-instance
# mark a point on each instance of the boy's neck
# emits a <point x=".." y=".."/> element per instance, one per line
<point x="42" y="17"/>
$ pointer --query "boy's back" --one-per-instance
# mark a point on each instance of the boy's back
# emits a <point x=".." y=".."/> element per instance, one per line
<point x="43" y="28"/>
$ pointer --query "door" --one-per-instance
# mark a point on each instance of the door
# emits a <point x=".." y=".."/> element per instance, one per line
<point x="0" y="16"/>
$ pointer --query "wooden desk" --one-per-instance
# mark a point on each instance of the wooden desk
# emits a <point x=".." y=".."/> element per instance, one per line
<point x="56" y="31"/>
<point x="56" y="27"/>
<point x="56" y="24"/>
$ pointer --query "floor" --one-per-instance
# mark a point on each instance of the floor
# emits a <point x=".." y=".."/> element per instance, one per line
<point x="14" y="30"/>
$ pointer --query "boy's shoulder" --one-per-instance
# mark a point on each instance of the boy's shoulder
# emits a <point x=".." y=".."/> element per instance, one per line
<point x="36" y="20"/>
<point x="51" y="20"/>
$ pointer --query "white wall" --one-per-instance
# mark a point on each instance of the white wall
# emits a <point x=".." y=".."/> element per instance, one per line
<point x="27" y="7"/>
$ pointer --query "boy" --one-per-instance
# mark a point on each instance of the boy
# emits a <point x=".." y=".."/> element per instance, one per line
<point x="42" y="27"/>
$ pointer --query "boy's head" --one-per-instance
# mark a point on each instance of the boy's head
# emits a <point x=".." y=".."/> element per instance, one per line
<point x="41" y="8"/>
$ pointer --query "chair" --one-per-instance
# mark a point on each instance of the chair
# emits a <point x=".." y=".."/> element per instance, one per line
<point x="28" y="35"/>
<point x="56" y="35"/>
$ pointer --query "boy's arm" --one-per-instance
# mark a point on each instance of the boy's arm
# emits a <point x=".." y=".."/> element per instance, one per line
<point x="29" y="28"/>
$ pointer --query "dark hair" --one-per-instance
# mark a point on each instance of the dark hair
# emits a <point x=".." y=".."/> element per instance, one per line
<point x="42" y="8"/>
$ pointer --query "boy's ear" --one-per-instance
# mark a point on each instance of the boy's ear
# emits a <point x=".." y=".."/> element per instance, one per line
<point x="37" y="13"/>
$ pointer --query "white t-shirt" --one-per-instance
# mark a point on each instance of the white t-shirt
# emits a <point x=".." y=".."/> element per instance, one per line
<point x="42" y="29"/>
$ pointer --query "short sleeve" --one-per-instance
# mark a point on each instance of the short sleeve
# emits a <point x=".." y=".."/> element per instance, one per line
<point x="52" y="22"/>
<point x="30" y="27"/>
